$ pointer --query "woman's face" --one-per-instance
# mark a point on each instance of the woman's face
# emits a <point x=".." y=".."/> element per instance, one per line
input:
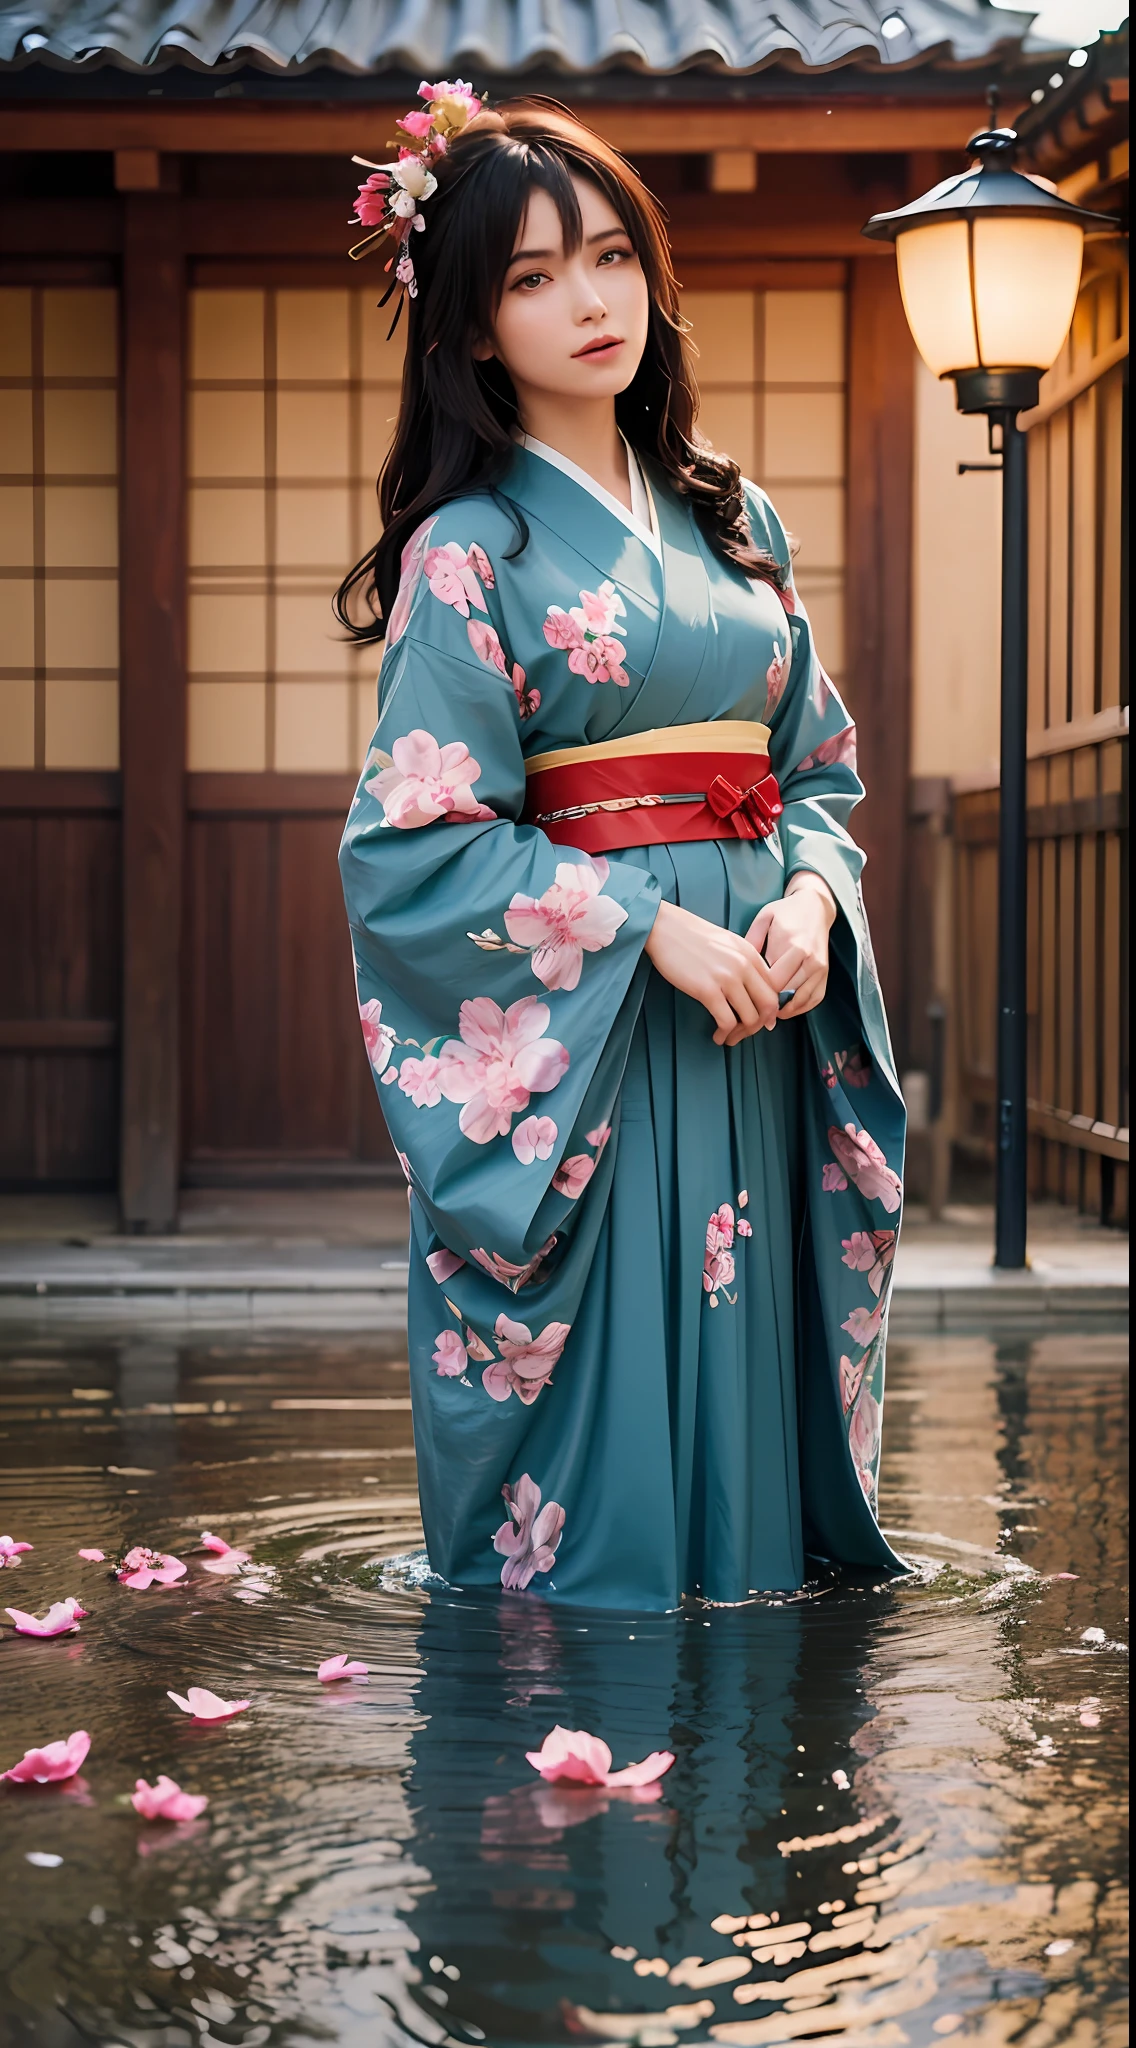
<point x="571" y="325"/>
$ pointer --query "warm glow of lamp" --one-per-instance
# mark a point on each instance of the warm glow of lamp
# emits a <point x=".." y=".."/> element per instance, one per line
<point x="992" y="294"/>
<point x="989" y="267"/>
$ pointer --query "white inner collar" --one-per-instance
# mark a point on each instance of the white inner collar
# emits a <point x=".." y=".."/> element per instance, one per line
<point x="642" y="519"/>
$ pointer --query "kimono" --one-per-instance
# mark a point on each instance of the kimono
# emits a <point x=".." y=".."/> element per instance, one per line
<point x="649" y="1275"/>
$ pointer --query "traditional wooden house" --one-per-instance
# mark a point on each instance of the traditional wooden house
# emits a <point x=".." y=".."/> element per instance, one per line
<point x="196" y="394"/>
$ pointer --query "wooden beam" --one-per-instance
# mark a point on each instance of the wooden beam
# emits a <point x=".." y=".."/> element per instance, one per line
<point x="264" y="128"/>
<point x="152" y="703"/>
<point x="737" y="230"/>
<point x="237" y="795"/>
<point x="881" y="389"/>
<point x="34" y="790"/>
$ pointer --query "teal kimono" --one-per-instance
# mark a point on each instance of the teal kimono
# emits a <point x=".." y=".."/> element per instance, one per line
<point x="648" y="1275"/>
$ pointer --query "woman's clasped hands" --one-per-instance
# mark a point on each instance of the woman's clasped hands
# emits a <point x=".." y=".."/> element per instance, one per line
<point x="730" y="975"/>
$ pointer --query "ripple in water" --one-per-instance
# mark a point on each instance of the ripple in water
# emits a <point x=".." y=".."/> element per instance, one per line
<point x="894" y="1813"/>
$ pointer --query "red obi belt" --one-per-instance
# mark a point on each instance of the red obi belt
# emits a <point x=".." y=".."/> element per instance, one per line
<point x="681" y="782"/>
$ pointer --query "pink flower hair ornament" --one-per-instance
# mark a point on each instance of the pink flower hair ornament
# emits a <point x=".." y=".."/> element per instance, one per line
<point x="390" y="199"/>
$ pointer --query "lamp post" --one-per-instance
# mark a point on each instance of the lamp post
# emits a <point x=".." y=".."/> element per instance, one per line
<point x="989" y="268"/>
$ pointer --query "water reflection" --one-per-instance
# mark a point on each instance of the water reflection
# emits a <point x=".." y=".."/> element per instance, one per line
<point x="894" y="1813"/>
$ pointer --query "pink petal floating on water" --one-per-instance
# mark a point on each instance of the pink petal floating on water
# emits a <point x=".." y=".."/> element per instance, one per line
<point x="54" y="1762"/>
<point x="10" y="1550"/>
<point x="61" y="1619"/>
<point x="141" y="1568"/>
<point x="338" y="1667"/>
<point x="205" y="1705"/>
<point x="93" y="1556"/>
<point x="572" y="1756"/>
<point x="166" y="1801"/>
<point x="227" y="1562"/>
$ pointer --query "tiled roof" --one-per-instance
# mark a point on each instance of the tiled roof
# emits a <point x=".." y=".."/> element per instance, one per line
<point x="444" y="38"/>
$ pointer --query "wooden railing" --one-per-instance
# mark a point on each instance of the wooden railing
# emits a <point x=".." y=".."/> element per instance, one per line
<point x="1078" y="794"/>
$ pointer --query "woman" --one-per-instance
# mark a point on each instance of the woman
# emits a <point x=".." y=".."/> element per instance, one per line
<point x="595" y="870"/>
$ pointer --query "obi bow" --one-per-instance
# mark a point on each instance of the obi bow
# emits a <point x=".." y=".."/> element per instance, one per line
<point x="753" y="812"/>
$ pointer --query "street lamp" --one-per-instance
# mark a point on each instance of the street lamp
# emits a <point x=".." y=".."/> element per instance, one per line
<point x="989" y="268"/>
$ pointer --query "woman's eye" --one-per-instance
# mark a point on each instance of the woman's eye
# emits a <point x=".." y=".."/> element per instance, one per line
<point x="617" y="255"/>
<point x="530" y="280"/>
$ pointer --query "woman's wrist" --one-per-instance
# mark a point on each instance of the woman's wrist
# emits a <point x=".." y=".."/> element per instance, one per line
<point x="805" y="879"/>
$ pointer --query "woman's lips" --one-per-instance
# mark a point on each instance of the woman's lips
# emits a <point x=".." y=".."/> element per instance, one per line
<point x="602" y="347"/>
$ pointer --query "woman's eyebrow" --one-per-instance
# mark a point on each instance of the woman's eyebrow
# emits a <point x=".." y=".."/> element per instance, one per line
<point x="545" y="255"/>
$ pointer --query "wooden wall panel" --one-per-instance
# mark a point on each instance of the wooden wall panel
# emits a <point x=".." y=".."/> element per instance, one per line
<point x="60" y="959"/>
<point x="276" y="1078"/>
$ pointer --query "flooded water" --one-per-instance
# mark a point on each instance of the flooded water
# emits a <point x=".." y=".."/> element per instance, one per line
<point x="895" y="1813"/>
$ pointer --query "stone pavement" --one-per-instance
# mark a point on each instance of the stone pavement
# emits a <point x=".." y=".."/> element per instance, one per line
<point x="338" y="1256"/>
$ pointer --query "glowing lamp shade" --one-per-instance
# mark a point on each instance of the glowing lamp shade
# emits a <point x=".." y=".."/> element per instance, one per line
<point x="992" y="293"/>
<point x="989" y="267"/>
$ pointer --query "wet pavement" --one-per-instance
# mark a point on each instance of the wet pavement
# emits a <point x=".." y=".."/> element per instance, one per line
<point x="895" y="1815"/>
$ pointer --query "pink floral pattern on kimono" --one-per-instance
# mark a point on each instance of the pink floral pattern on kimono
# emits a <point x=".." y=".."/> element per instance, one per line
<point x="776" y="677"/>
<point x="864" y="1442"/>
<point x="859" y="1157"/>
<point x="501" y="1059"/>
<point x="377" y="1036"/>
<point x="850" y="1378"/>
<point x="511" y="1276"/>
<point x="528" y="1540"/>
<point x="853" y="1068"/>
<point x="870" y="1252"/>
<point x="526" y="1362"/>
<point x="450" y="1354"/>
<point x="572" y="1175"/>
<point x="839" y="750"/>
<point x="410" y="576"/>
<point x="444" y="1264"/>
<point x="718" y="1267"/>
<point x="453" y="573"/>
<point x="426" y="781"/>
<point x="487" y="646"/>
<point x="422" y="1081"/>
<point x="570" y="919"/>
<point x="587" y="633"/>
<point x="863" y="1324"/>
<point x="534" y="1139"/>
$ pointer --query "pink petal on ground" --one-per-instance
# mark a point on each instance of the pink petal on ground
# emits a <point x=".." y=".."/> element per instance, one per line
<point x="333" y="1668"/>
<point x="10" y="1550"/>
<point x="166" y="1801"/>
<point x="61" y="1619"/>
<point x="54" y="1762"/>
<point x="227" y="1567"/>
<point x="205" y="1705"/>
<point x="93" y="1556"/>
<point x="210" y="1542"/>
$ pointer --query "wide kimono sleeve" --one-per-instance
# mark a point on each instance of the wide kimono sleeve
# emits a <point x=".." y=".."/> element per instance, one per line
<point x="853" y="1117"/>
<point x="498" y="976"/>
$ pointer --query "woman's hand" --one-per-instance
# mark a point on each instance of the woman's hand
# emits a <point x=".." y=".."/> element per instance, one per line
<point x="721" y="970"/>
<point x="793" y="934"/>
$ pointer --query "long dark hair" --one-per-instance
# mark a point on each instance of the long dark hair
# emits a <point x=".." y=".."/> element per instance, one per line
<point x="456" y="415"/>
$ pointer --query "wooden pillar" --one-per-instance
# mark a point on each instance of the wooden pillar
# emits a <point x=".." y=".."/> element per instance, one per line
<point x="881" y="401"/>
<point x="152" y="712"/>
